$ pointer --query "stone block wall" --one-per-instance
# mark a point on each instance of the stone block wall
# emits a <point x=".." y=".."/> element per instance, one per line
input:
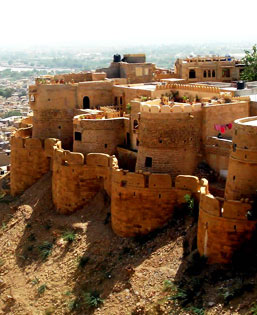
<point x="143" y="202"/>
<point x="241" y="181"/>
<point x="98" y="135"/>
<point x="187" y="89"/>
<point x="222" y="114"/>
<point x="53" y="110"/>
<point x="223" y="228"/>
<point x="170" y="139"/>
<point x="30" y="159"/>
<point x="77" y="179"/>
<point x="216" y="153"/>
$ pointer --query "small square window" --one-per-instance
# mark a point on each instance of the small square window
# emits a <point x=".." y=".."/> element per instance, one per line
<point x="148" y="161"/>
<point x="77" y="136"/>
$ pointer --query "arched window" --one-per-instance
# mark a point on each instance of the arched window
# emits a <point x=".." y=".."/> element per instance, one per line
<point x="204" y="74"/>
<point x="213" y="73"/>
<point x="192" y="74"/>
<point x="86" y="102"/>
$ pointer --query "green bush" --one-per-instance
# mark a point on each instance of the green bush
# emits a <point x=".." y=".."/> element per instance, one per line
<point x="45" y="249"/>
<point x="92" y="299"/>
<point x="69" y="236"/>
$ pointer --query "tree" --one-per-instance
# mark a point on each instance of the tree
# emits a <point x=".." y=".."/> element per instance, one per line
<point x="250" y="61"/>
<point x="6" y="92"/>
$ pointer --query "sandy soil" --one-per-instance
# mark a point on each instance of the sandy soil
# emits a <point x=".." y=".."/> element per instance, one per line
<point x="127" y="273"/>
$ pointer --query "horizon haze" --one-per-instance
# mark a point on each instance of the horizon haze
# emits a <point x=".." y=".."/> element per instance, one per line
<point x="106" y="24"/>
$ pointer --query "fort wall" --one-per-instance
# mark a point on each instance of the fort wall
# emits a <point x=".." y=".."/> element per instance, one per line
<point x="30" y="159"/>
<point x="76" y="179"/>
<point x="223" y="228"/>
<point x="143" y="202"/>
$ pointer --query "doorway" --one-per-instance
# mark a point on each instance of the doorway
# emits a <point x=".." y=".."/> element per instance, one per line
<point x="86" y="102"/>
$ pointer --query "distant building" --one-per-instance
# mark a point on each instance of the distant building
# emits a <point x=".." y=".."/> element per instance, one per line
<point x="195" y="69"/>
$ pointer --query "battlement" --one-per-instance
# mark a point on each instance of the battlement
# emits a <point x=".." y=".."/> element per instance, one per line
<point x="172" y="108"/>
<point x="71" y="78"/>
<point x="144" y="201"/>
<point x="149" y="180"/>
<point x="229" y="209"/>
<point x="25" y="132"/>
<point x="223" y="227"/>
<point x="48" y="145"/>
<point x="208" y="59"/>
<point x="189" y="87"/>
<point x="68" y="158"/>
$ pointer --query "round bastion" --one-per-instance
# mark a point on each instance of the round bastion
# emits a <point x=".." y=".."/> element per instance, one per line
<point x="169" y="138"/>
<point x="241" y="181"/>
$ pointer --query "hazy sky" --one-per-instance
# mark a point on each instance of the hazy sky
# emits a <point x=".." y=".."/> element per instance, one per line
<point x="110" y="22"/>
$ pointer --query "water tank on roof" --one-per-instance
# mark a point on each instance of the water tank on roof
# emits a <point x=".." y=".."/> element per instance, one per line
<point x="240" y="85"/>
<point x="116" y="58"/>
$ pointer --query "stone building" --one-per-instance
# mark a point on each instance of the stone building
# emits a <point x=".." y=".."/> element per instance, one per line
<point x="221" y="69"/>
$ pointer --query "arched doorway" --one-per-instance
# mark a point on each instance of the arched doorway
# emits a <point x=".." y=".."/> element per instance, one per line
<point x="192" y="74"/>
<point x="86" y="102"/>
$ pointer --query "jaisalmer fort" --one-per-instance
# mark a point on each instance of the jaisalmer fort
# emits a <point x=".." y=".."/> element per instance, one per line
<point x="148" y="137"/>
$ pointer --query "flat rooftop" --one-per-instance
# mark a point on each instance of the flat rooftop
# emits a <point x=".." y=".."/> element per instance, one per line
<point x="248" y="121"/>
<point x="141" y="86"/>
<point x="251" y="123"/>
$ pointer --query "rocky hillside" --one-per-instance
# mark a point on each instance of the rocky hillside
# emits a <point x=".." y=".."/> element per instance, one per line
<point x="53" y="264"/>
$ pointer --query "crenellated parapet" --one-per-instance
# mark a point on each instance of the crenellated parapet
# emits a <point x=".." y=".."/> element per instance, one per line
<point x="189" y="87"/>
<point x="30" y="159"/>
<point x="223" y="227"/>
<point x="174" y="108"/>
<point x="78" y="178"/>
<point x="228" y="218"/>
<point x="143" y="202"/>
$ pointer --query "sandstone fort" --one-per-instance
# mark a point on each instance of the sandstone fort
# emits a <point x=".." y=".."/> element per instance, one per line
<point x="147" y="137"/>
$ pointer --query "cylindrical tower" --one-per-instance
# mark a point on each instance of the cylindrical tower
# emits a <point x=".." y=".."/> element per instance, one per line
<point x="242" y="170"/>
<point x="169" y="141"/>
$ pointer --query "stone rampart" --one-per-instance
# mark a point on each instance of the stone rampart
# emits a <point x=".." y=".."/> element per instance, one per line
<point x="77" y="179"/>
<point x="223" y="228"/>
<point x="30" y="159"/>
<point x="143" y="202"/>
